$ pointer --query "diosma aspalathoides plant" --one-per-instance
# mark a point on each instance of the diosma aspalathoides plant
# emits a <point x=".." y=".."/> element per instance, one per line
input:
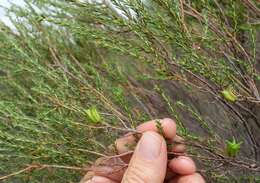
<point x="61" y="58"/>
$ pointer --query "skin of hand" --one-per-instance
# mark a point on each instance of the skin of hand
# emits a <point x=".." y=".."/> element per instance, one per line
<point x="149" y="162"/>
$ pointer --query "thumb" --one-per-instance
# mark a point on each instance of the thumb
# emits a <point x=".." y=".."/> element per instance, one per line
<point x="149" y="160"/>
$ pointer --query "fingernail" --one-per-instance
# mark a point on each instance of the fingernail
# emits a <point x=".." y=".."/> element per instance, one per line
<point x="98" y="179"/>
<point x="149" y="146"/>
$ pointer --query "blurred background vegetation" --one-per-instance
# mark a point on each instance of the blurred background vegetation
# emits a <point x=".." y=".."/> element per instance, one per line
<point x="130" y="61"/>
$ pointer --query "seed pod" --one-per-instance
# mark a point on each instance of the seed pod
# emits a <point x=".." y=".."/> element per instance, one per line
<point x="233" y="148"/>
<point x="229" y="95"/>
<point x="93" y="115"/>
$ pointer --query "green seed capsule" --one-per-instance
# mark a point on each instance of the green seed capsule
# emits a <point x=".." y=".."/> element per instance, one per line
<point x="233" y="148"/>
<point x="93" y="115"/>
<point x="229" y="95"/>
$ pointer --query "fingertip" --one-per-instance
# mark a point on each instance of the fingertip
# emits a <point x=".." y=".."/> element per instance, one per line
<point x="169" y="127"/>
<point x="194" y="178"/>
<point x="179" y="148"/>
<point x="178" y="139"/>
<point x="178" y="145"/>
<point x="182" y="165"/>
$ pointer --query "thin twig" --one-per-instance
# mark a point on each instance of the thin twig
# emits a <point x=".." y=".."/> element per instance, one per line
<point x="29" y="168"/>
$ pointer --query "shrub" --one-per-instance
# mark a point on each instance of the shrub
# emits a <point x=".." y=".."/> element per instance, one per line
<point x="61" y="58"/>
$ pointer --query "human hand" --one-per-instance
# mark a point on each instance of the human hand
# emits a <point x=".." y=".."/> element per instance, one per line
<point x="149" y="162"/>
